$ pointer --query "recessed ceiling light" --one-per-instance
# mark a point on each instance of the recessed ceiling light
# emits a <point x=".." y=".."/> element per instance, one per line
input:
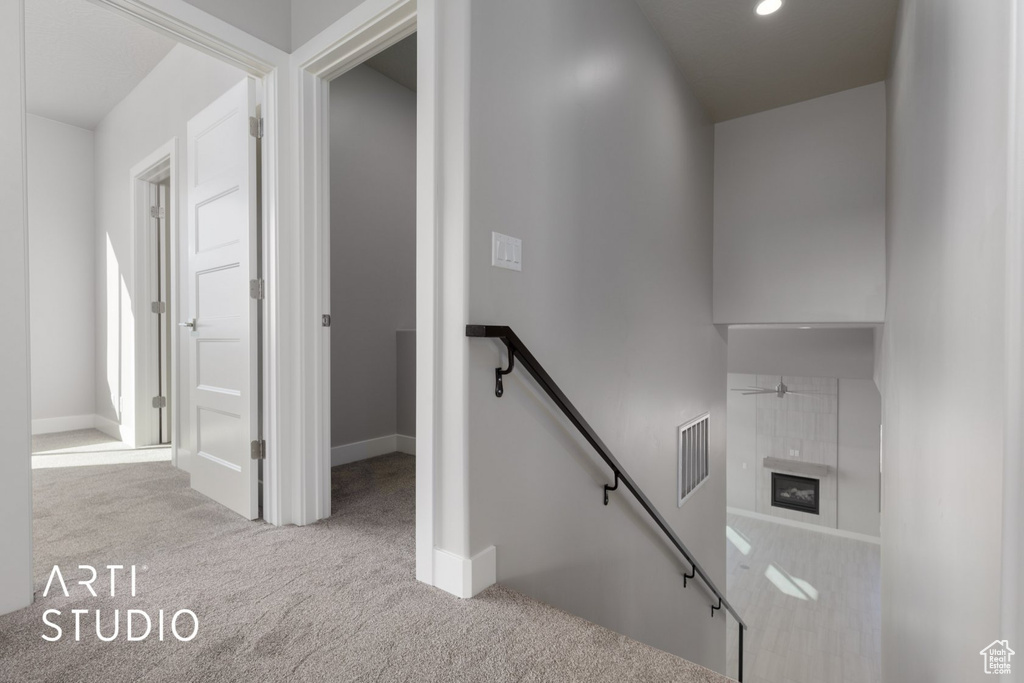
<point x="768" y="7"/>
<point x="806" y="328"/>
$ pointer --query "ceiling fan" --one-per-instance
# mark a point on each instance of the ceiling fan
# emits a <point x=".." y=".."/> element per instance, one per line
<point x="780" y="391"/>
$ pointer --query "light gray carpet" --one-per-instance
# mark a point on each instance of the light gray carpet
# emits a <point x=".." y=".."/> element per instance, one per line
<point x="334" y="601"/>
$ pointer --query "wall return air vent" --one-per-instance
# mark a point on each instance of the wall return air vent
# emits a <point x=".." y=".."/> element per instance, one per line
<point x="693" y="456"/>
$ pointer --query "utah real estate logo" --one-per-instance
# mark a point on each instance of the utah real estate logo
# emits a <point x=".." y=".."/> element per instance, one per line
<point x="997" y="657"/>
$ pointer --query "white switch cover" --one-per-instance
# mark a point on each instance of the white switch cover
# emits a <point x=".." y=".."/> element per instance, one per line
<point x="506" y="252"/>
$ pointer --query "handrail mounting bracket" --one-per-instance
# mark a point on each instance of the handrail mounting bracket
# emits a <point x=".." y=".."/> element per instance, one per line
<point x="499" y="388"/>
<point x="608" y="488"/>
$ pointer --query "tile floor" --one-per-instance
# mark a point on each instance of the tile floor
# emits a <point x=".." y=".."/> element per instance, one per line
<point x="811" y="601"/>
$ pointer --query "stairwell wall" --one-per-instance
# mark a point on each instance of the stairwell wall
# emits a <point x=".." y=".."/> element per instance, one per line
<point x="590" y="146"/>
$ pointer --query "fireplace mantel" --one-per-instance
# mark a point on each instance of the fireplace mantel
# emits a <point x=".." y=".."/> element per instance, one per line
<point x="811" y="469"/>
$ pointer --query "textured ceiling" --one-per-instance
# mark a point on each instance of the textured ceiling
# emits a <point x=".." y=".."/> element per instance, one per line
<point x="398" y="62"/>
<point x="740" y="63"/>
<point x="81" y="59"/>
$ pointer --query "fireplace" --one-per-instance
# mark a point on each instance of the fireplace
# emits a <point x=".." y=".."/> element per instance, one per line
<point x="795" y="493"/>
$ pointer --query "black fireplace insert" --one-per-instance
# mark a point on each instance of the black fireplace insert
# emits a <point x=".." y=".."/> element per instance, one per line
<point x="795" y="493"/>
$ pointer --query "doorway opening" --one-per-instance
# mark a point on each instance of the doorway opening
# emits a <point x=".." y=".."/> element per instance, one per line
<point x="155" y="214"/>
<point x="141" y="287"/>
<point x="371" y="295"/>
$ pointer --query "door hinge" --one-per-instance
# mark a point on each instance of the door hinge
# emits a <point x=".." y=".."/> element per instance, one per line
<point x="158" y="307"/>
<point x="258" y="450"/>
<point x="157" y="212"/>
<point x="159" y="401"/>
<point x="257" y="289"/>
<point x="256" y="127"/>
<point x="325" y="320"/>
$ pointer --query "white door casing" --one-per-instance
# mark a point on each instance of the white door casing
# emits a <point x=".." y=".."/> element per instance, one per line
<point x="223" y="394"/>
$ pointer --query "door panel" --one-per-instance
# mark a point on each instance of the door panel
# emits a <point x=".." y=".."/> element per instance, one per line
<point x="222" y="253"/>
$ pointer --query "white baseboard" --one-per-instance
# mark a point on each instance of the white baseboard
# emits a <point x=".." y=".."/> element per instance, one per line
<point x="804" y="525"/>
<point x="111" y="428"/>
<point x="371" y="448"/>
<point x="405" y="444"/>
<point x="53" y="425"/>
<point x="465" y="577"/>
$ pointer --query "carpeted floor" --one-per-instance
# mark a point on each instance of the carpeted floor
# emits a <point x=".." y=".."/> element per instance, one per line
<point x="335" y="601"/>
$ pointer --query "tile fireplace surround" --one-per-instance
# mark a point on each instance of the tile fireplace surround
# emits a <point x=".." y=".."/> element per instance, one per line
<point x="798" y="435"/>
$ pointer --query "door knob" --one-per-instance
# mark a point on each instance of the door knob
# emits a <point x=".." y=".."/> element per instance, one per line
<point x="191" y="324"/>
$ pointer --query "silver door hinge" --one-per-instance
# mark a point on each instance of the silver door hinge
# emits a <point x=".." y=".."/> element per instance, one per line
<point x="258" y="450"/>
<point x="325" y="320"/>
<point x="157" y="212"/>
<point x="257" y="289"/>
<point x="158" y="307"/>
<point x="159" y="401"/>
<point x="256" y="127"/>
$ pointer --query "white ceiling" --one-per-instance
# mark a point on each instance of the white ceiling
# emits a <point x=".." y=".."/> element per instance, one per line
<point x="740" y="63"/>
<point x="81" y="59"/>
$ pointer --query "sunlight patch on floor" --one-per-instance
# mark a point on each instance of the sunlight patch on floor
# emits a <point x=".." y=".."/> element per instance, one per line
<point x="85" y="459"/>
<point x="737" y="539"/>
<point x="790" y="585"/>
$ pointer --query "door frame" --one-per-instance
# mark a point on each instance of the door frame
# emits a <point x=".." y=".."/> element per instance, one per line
<point x="343" y="46"/>
<point x="159" y="164"/>
<point x="441" y="265"/>
<point x="191" y="26"/>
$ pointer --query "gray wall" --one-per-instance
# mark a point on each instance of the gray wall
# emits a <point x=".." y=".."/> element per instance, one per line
<point x="846" y="354"/>
<point x="373" y="249"/>
<point x="309" y="17"/>
<point x="405" y="418"/>
<point x="860" y="419"/>
<point x="819" y="352"/>
<point x="741" y="443"/>
<point x="800" y="212"/>
<point x="590" y="146"/>
<point x="943" y="372"/>
<point x="268" y="20"/>
<point x="15" y="402"/>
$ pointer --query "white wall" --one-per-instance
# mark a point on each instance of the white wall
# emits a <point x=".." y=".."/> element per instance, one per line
<point x="800" y="212"/>
<point x="943" y="369"/>
<point x="268" y="20"/>
<point x="15" y="399"/>
<point x="373" y="249"/>
<point x="156" y="111"/>
<point x="591" y="148"/>
<point x="62" y="275"/>
<point x="846" y="354"/>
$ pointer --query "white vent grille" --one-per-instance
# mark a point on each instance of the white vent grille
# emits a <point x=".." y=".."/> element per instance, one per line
<point x="693" y="456"/>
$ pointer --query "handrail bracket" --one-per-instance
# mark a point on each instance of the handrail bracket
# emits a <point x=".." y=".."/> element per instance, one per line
<point x="499" y="387"/>
<point x="608" y="488"/>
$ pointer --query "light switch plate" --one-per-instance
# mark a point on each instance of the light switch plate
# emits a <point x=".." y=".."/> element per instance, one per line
<point x="506" y="252"/>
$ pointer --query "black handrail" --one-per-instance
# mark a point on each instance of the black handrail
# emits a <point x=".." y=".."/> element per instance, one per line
<point x="516" y="349"/>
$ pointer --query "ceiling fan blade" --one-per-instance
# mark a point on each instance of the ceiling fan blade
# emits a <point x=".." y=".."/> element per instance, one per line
<point x="756" y="393"/>
<point x="800" y="393"/>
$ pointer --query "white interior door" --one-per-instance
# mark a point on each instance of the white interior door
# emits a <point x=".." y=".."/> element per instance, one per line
<point x="222" y="258"/>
